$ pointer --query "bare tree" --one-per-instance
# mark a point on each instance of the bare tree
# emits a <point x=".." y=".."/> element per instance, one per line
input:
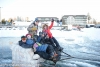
<point x="15" y="18"/>
<point x="94" y="21"/>
<point x="3" y="21"/>
<point x="98" y="22"/>
<point x="88" y="17"/>
<point x="0" y="14"/>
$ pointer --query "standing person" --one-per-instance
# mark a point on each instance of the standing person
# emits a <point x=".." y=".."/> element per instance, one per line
<point x="78" y="27"/>
<point x="33" y="27"/>
<point x="61" y="22"/>
<point x="11" y="21"/>
<point x="47" y="29"/>
<point x="57" y="22"/>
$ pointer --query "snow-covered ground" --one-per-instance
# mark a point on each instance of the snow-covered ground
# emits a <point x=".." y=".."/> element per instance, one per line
<point x="83" y="45"/>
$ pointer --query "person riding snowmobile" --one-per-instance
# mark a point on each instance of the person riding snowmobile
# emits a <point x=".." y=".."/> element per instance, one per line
<point x="46" y="29"/>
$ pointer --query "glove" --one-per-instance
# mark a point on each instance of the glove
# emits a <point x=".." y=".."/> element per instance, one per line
<point x="34" y="29"/>
<point x="47" y="36"/>
<point x="52" y="20"/>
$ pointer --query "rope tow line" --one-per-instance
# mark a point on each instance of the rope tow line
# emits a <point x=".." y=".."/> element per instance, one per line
<point x="70" y="57"/>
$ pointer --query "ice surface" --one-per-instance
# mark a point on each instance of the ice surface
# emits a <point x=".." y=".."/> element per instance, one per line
<point x="83" y="44"/>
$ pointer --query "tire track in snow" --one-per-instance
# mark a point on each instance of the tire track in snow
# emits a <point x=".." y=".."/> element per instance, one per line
<point x="80" y="63"/>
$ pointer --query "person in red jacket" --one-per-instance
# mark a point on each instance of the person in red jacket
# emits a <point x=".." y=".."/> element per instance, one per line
<point x="46" y="30"/>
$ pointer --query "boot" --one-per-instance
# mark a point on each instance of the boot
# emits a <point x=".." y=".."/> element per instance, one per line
<point x="53" y="55"/>
<point x="60" y="48"/>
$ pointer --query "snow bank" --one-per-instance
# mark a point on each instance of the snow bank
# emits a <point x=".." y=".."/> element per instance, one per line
<point x="92" y="33"/>
<point x="13" y="33"/>
<point x="22" y="57"/>
<point x="22" y="23"/>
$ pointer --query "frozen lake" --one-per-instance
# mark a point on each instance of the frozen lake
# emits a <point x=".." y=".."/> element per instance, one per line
<point x="84" y="46"/>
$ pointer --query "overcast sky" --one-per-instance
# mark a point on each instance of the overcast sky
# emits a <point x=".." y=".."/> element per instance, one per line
<point x="50" y="8"/>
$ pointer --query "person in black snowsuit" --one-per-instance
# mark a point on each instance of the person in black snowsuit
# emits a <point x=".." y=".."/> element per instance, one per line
<point x="44" y="39"/>
<point x="48" y="54"/>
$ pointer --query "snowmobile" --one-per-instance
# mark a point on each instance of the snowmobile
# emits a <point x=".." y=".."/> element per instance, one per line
<point x="55" y="49"/>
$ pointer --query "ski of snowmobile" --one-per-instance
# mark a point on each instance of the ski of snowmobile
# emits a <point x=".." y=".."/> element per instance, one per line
<point x="47" y="64"/>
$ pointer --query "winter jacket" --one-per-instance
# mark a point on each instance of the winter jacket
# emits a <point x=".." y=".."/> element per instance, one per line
<point x="39" y="39"/>
<point x="24" y="45"/>
<point x="30" y="42"/>
<point x="40" y="47"/>
<point x="32" y="29"/>
<point x="48" y="30"/>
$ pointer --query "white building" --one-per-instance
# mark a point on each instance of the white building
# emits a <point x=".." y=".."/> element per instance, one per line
<point x="74" y="19"/>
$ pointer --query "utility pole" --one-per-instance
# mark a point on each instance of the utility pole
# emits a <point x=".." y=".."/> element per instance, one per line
<point x="0" y="15"/>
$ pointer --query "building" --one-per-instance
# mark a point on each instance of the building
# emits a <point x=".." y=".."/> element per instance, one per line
<point x="45" y="19"/>
<point x="74" y="19"/>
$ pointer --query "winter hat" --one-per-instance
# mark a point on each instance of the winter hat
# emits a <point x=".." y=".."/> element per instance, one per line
<point x="28" y="34"/>
<point x="36" y="20"/>
<point x="23" y="37"/>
